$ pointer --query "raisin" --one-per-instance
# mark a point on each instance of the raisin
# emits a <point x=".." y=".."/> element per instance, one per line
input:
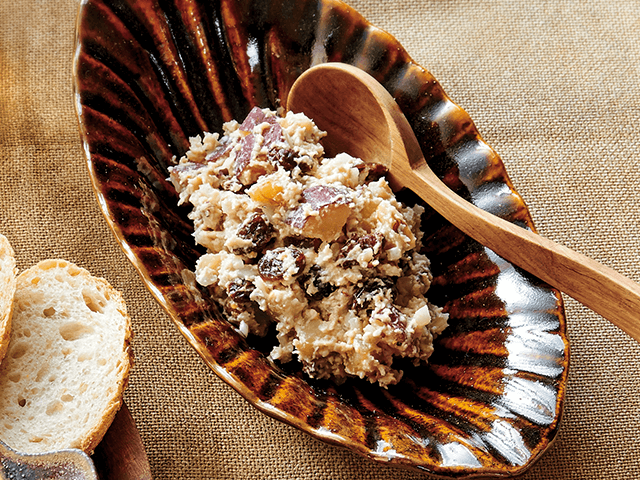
<point x="272" y="265"/>
<point x="284" y="157"/>
<point x="302" y="242"/>
<point x="395" y="318"/>
<point x="375" y="172"/>
<point x="240" y="290"/>
<point x="258" y="230"/>
<point x="313" y="285"/>
<point x="239" y="297"/>
<point x="397" y="322"/>
<point x="364" y="297"/>
<point x="373" y="241"/>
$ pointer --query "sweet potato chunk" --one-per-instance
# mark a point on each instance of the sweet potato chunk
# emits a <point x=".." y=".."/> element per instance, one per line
<point x="323" y="212"/>
<point x="267" y="192"/>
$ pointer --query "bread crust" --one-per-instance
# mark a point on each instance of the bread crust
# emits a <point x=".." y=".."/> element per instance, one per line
<point x="8" y="280"/>
<point x="95" y="306"/>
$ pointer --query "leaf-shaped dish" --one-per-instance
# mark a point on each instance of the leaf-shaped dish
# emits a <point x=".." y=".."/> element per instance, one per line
<point x="148" y="75"/>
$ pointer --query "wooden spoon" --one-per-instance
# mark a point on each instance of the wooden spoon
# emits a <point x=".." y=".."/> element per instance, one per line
<point x="68" y="464"/>
<point x="362" y="119"/>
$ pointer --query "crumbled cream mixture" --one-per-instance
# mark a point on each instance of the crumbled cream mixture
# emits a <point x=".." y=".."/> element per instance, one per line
<point x="320" y="246"/>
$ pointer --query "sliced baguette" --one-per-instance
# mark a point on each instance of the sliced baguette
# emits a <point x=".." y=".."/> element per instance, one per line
<point x="8" y="274"/>
<point x="68" y="362"/>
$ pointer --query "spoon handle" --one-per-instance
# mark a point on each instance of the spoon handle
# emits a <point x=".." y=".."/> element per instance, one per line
<point x="596" y="286"/>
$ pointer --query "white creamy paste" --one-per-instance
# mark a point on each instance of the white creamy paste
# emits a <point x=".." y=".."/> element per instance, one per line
<point x="318" y="246"/>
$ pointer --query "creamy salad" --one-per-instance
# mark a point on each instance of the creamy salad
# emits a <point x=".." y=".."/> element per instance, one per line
<point x="318" y="246"/>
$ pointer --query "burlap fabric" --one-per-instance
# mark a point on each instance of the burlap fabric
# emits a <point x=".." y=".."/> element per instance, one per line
<point x="553" y="86"/>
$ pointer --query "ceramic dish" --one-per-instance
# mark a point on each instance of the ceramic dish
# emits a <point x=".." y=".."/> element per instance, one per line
<point x="150" y="75"/>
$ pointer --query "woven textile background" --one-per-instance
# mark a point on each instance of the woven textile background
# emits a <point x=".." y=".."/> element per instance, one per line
<point x="552" y="85"/>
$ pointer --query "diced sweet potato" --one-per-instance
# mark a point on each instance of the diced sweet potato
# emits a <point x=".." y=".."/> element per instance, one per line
<point x="255" y="117"/>
<point x="243" y="157"/>
<point x="323" y="195"/>
<point x="221" y="150"/>
<point x="328" y="223"/>
<point x="267" y="192"/>
<point x="246" y="170"/>
<point x="332" y="205"/>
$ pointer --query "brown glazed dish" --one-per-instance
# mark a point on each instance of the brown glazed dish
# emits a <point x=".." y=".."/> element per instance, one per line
<point x="148" y="75"/>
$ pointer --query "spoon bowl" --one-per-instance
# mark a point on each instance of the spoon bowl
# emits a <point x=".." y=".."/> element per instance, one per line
<point x="68" y="464"/>
<point x="362" y="119"/>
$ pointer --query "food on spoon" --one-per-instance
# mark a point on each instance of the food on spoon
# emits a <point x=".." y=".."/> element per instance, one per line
<point x="8" y="274"/>
<point x="62" y="379"/>
<point x="319" y="246"/>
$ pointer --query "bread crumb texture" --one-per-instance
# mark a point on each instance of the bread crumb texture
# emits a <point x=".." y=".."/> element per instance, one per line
<point x="8" y="274"/>
<point x="68" y="361"/>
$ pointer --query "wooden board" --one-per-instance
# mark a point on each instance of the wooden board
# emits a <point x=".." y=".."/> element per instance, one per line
<point x="121" y="454"/>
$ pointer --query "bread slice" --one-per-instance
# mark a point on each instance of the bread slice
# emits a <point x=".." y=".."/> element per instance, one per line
<point x="68" y="362"/>
<point x="8" y="274"/>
